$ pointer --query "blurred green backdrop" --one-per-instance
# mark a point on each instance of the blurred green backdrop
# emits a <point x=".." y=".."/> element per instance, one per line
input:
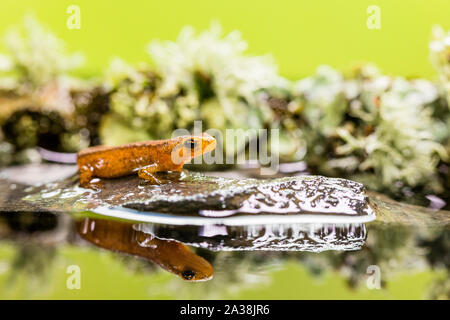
<point x="103" y="276"/>
<point x="300" y="34"/>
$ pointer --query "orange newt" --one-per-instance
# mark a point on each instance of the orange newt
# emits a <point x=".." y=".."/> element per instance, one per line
<point x="169" y="254"/>
<point x="144" y="158"/>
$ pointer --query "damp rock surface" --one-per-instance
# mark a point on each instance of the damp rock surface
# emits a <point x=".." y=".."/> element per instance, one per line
<point x="208" y="196"/>
<point x="195" y="194"/>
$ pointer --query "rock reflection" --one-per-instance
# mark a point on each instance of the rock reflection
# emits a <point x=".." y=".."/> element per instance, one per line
<point x="40" y="242"/>
<point x="171" y="255"/>
<point x="312" y="237"/>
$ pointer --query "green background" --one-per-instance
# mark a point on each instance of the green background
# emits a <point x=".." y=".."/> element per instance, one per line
<point x="104" y="276"/>
<point x="300" y="34"/>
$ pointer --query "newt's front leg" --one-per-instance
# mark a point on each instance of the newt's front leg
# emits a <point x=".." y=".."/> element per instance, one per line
<point x="148" y="173"/>
<point x="86" y="176"/>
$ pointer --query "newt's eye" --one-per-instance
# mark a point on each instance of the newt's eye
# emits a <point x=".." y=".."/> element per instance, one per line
<point x="191" y="144"/>
<point x="188" y="274"/>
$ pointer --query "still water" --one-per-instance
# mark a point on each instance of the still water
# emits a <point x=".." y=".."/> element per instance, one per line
<point x="341" y="248"/>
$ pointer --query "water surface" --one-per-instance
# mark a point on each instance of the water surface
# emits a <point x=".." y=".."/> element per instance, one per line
<point x="136" y="256"/>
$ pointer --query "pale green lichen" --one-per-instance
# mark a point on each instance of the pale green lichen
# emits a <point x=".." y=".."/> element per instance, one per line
<point x="220" y="60"/>
<point x="401" y="146"/>
<point x="205" y="76"/>
<point x="38" y="93"/>
<point x="326" y="99"/>
<point x="387" y="130"/>
<point x="371" y="123"/>
<point x="35" y="56"/>
<point x="440" y="57"/>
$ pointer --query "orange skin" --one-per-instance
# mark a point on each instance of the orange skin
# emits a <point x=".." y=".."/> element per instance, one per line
<point x="144" y="158"/>
<point x="169" y="254"/>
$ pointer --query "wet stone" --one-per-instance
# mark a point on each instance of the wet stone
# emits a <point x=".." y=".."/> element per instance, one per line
<point x="195" y="194"/>
<point x="225" y="197"/>
<point x="27" y="189"/>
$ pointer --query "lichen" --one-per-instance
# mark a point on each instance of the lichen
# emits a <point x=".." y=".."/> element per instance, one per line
<point x="389" y="132"/>
<point x="205" y="76"/>
<point x="440" y="57"/>
<point x="41" y="103"/>
<point x="35" y="56"/>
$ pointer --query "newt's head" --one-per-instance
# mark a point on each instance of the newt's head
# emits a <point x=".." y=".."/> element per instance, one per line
<point x="177" y="258"/>
<point x="190" y="147"/>
<point x="186" y="264"/>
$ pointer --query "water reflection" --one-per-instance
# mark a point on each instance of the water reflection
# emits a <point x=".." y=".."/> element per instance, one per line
<point x="312" y="237"/>
<point x="165" y="244"/>
<point x="171" y="255"/>
<point x="40" y="239"/>
<point x="403" y="238"/>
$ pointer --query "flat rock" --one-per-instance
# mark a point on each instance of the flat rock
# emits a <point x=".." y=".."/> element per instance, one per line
<point x="197" y="195"/>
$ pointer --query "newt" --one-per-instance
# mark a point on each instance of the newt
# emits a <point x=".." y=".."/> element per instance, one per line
<point x="144" y="158"/>
<point x="171" y="255"/>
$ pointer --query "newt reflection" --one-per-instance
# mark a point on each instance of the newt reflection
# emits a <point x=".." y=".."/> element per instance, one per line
<point x="144" y="158"/>
<point x="171" y="255"/>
